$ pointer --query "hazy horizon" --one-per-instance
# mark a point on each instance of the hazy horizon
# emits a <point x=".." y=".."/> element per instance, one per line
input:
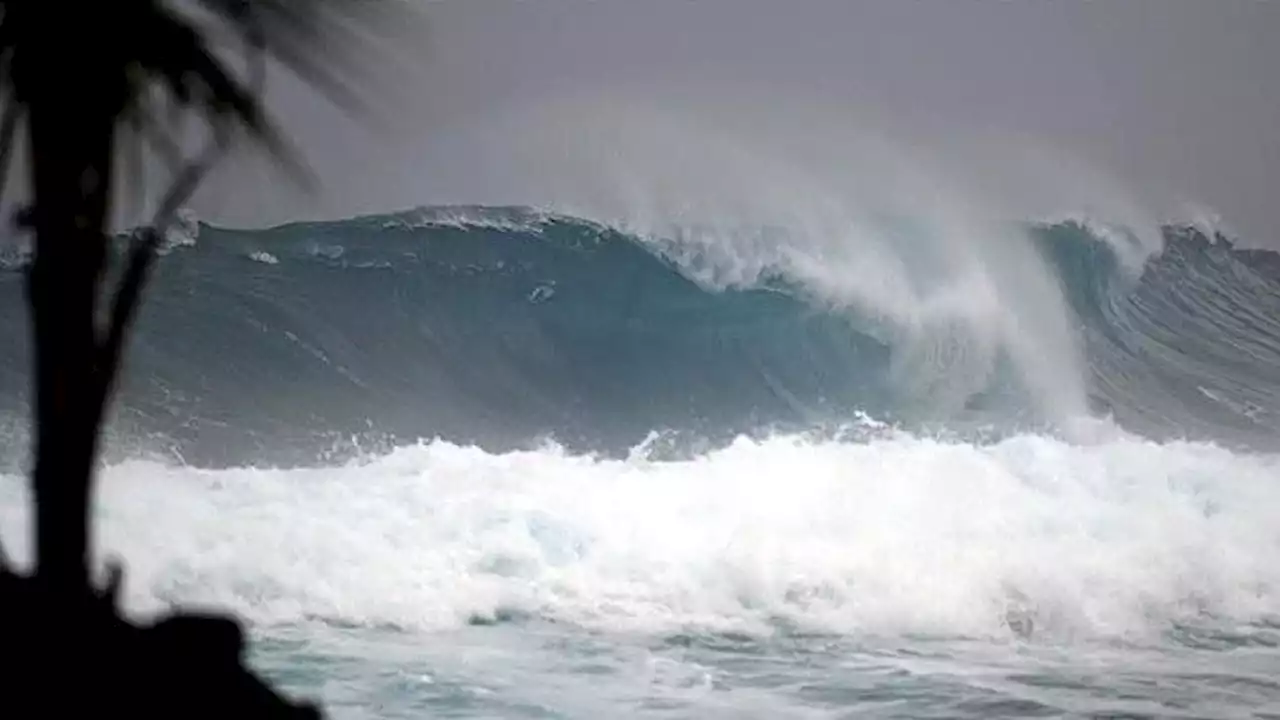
<point x="1164" y="111"/>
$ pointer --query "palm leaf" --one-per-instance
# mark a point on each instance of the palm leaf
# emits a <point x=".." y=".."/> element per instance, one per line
<point x="159" y="45"/>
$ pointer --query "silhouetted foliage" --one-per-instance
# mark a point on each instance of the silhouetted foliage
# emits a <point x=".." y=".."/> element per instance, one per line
<point x="90" y="81"/>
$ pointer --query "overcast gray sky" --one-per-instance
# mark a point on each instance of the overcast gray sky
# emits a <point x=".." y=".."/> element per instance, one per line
<point x="1162" y="105"/>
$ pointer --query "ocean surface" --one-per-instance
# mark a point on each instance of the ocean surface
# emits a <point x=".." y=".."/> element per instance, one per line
<point x="498" y="462"/>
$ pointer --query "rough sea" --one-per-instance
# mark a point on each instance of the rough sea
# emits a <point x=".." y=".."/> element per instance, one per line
<point x="499" y="462"/>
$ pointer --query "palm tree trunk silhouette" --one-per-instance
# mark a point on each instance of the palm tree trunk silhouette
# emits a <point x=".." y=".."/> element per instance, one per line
<point x="77" y="74"/>
<point x="71" y="141"/>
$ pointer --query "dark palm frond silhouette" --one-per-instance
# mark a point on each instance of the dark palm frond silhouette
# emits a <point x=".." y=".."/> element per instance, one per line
<point x="90" y="82"/>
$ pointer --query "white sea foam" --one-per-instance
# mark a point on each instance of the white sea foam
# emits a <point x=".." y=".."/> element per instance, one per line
<point x="897" y="534"/>
<point x="469" y="218"/>
<point x="264" y="257"/>
<point x="184" y="231"/>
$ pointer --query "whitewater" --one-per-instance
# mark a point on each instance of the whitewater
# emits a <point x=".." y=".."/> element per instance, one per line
<point x="475" y="461"/>
<point x="897" y="576"/>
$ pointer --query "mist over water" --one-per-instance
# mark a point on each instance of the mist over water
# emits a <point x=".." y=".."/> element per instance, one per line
<point x="929" y="243"/>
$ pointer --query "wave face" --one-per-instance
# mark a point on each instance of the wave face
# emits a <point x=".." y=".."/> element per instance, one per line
<point x="1191" y="347"/>
<point x="504" y="326"/>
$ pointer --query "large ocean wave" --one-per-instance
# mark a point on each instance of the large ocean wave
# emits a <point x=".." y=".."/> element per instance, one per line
<point x="504" y="327"/>
<point x="474" y="415"/>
